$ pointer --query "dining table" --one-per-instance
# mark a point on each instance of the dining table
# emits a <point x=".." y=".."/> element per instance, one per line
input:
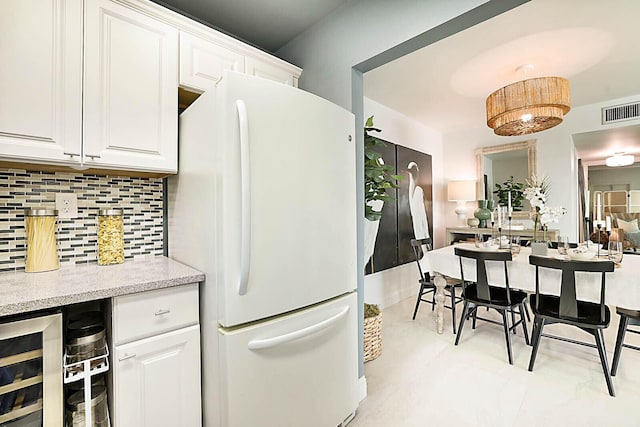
<point x="622" y="285"/>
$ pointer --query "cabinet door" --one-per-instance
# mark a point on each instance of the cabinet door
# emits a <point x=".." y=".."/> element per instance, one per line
<point x="258" y="68"/>
<point x="157" y="380"/>
<point x="41" y="80"/>
<point x="202" y="62"/>
<point x="130" y="89"/>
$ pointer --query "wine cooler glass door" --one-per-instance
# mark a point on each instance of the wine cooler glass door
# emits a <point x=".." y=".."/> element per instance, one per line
<point x="31" y="372"/>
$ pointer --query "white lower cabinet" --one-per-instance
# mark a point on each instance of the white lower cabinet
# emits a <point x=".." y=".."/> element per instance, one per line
<point x="156" y="359"/>
<point x="157" y="380"/>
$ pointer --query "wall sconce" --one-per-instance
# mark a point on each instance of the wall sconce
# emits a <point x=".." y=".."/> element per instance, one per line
<point x="461" y="192"/>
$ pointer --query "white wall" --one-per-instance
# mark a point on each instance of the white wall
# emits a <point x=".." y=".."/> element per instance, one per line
<point x="556" y="156"/>
<point x="387" y="287"/>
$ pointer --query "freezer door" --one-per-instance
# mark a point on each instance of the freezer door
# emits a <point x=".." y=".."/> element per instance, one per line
<point x="286" y="199"/>
<point x="297" y="370"/>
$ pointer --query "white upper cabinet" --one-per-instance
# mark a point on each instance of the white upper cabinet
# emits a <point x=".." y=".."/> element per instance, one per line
<point x="267" y="70"/>
<point x="94" y="83"/>
<point x="130" y="89"/>
<point x="202" y="62"/>
<point x="40" y="80"/>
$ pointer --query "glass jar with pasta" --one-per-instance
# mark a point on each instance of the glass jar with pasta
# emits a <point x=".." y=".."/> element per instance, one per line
<point x="110" y="237"/>
<point x="42" y="248"/>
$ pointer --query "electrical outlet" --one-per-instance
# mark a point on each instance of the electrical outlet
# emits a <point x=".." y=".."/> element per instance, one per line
<point x="67" y="205"/>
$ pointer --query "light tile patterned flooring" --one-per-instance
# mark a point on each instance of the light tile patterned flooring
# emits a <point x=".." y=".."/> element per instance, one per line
<point x="422" y="379"/>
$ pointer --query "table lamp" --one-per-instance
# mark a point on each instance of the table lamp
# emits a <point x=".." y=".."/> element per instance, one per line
<point x="461" y="192"/>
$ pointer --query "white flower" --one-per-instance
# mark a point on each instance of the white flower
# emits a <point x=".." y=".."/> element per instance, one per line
<point x="550" y="215"/>
<point x="535" y="196"/>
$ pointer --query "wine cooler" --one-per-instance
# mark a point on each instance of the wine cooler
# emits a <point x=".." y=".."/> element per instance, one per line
<point x="31" y="372"/>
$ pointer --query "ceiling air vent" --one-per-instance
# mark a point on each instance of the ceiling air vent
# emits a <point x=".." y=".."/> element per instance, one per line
<point x="619" y="113"/>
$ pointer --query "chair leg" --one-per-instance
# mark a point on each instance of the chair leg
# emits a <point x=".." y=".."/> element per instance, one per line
<point x="622" y="329"/>
<point x="433" y="300"/>
<point x="415" y="311"/>
<point x="603" y="359"/>
<point x="453" y="308"/>
<point x="524" y="324"/>
<point x="475" y="316"/>
<point x="537" y="332"/>
<point x="507" y="336"/>
<point x="526" y="310"/>
<point x="465" y="309"/>
<point x="513" y="319"/>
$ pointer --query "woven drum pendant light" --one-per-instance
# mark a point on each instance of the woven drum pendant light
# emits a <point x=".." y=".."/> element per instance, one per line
<point x="528" y="106"/>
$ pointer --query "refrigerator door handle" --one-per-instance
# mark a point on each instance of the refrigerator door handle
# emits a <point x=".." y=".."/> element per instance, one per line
<point x="245" y="198"/>
<point x="262" y="344"/>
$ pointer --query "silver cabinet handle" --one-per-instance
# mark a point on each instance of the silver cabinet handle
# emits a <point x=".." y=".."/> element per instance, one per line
<point x="127" y="356"/>
<point x="92" y="156"/>
<point x="71" y="154"/>
<point x="162" y="311"/>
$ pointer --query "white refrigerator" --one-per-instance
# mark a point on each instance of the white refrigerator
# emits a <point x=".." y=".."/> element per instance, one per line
<point x="264" y="204"/>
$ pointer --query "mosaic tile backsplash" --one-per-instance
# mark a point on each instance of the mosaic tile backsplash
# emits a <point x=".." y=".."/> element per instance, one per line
<point x="139" y="198"/>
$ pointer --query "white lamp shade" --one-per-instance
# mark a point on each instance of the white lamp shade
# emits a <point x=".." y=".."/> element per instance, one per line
<point x="461" y="191"/>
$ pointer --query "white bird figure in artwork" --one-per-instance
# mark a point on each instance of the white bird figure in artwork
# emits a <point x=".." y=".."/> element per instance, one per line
<point x="416" y="203"/>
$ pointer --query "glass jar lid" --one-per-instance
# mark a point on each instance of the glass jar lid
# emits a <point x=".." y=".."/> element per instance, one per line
<point x="110" y="212"/>
<point x="40" y="212"/>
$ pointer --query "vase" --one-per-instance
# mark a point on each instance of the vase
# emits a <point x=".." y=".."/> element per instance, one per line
<point x="483" y="213"/>
<point x="539" y="248"/>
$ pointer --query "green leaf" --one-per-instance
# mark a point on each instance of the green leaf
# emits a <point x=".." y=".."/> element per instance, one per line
<point x="369" y="122"/>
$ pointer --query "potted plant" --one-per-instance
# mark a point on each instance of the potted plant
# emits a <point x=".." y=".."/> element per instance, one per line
<point x="372" y="332"/>
<point x="377" y="175"/>
<point x="377" y="180"/>
<point x="516" y="189"/>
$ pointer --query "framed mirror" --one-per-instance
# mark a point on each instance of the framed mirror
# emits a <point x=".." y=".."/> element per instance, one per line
<point x="495" y="164"/>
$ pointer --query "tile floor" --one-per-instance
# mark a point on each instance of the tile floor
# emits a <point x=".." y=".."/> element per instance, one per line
<point x="422" y="379"/>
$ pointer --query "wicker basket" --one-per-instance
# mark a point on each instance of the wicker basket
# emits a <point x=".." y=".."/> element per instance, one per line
<point x="372" y="337"/>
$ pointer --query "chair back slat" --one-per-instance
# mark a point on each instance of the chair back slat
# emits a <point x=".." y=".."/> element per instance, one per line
<point x="568" y="300"/>
<point x="416" y="245"/>
<point x="482" y="282"/>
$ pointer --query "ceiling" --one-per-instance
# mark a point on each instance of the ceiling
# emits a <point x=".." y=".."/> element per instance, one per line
<point x="445" y="85"/>
<point x="590" y="42"/>
<point x="265" y="24"/>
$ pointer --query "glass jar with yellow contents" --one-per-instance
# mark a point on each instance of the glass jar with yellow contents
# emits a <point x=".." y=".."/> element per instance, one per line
<point x="110" y="237"/>
<point x="42" y="248"/>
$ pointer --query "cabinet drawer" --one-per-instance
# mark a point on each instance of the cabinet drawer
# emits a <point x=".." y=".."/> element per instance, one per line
<point x="150" y="313"/>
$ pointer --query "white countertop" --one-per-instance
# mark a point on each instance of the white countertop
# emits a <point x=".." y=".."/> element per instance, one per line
<point x="22" y="292"/>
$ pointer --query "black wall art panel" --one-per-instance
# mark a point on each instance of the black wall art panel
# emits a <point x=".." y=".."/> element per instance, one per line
<point x="385" y="253"/>
<point x="415" y="200"/>
<point x="410" y="215"/>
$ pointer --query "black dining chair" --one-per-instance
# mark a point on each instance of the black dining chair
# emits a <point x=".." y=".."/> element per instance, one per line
<point x="427" y="286"/>
<point x="627" y="318"/>
<point x="590" y="317"/>
<point x="481" y="294"/>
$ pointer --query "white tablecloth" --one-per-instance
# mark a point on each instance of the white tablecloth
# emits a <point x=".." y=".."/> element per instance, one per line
<point x="622" y="288"/>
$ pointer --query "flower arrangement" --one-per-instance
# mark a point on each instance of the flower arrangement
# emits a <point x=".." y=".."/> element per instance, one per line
<point x="536" y="192"/>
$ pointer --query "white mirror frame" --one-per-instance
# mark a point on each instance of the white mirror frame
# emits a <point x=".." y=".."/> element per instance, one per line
<point x="529" y="145"/>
